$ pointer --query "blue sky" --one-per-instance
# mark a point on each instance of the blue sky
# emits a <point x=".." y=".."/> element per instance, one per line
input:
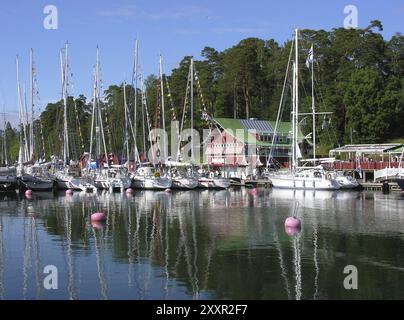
<point x="172" y="28"/>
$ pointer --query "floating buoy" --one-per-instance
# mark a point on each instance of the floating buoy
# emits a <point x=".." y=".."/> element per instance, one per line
<point x="97" y="224"/>
<point x="69" y="192"/>
<point x="167" y="190"/>
<point x="98" y="216"/>
<point x="292" y="222"/>
<point x="292" y="231"/>
<point x="129" y="191"/>
<point x="28" y="193"/>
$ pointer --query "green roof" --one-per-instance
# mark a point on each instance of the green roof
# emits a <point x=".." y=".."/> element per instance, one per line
<point x="261" y="126"/>
<point x="397" y="149"/>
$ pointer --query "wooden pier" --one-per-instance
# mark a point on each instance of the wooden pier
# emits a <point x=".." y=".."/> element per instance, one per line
<point x="255" y="183"/>
<point x="265" y="183"/>
<point x="378" y="186"/>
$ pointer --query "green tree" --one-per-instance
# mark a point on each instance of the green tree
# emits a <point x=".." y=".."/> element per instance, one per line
<point x="370" y="106"/>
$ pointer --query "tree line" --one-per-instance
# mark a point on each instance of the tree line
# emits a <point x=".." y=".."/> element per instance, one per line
<point x="358" y="75"/>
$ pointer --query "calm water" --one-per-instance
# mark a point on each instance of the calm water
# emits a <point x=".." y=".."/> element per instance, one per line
<point x="203" y="245"/>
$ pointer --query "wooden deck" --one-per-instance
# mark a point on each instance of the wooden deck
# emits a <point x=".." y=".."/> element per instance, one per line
<point x="378" y="186"/>
<point x="265" y="183"/>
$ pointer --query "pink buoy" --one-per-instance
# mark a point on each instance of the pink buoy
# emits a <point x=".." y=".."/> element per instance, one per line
<point x="69" y="192"/>
<point x="129" y="191"/>
<point x="292" y="222"/>
<point x="98" y="216"/>
<point x="97" y="224"/>
<point x="254" y="192"/>
<point x="292" y="231"/>
<point x="28" y="193"/>
<point x="167" y="190"/>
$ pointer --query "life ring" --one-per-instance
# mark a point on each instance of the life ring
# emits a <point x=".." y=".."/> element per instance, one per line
<point x="328" y="176"/>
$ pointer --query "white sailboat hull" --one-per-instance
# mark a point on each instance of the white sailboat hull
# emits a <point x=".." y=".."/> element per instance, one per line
<point x="152" y="183"/>
<point x="214" y="183"/>
<point x="64" y="182"/>
<point x="308" y="183"/>
<point x="112" y="183"/>
<point x="184" y="183"/>
<point x="346" y="183"/>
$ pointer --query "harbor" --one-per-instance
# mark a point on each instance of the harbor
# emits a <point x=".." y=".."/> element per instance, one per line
<point x="189" y="152"/>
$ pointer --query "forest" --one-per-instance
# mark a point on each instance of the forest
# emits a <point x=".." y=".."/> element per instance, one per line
<point x="358" y="75"/>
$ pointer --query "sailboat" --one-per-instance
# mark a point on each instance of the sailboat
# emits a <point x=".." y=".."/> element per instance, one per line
<point x="31" y="173"/>
<point x="184" y="180"/>
<point x="103" y="175"/>
<point x="183" y="174"/>
<point x="209" y="180"/>
<point x="68" y="176"/>
<point x="147" y="177"/>
<point x="299" y="177"/>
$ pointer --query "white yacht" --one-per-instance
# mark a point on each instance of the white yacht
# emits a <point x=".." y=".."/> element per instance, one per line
<point x="66" y="181"/>
<point x="184" y="180"/>
<point x="346" y="182"/>
<point x="150" y="179"/>
<point x="304" y="179"/>
<point x="213" y="182"/>
<point x="111" y="179"/>
<point x="300" y="177"/>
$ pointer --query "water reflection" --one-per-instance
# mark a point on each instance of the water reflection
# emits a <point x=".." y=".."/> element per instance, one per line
<point x="1" y="259"/>
<point x="228" y="244"/>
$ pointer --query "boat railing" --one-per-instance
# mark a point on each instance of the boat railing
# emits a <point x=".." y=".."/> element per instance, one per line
<point x="388" y="173"/>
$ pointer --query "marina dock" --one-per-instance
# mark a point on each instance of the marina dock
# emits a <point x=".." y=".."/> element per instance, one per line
<point x="265" y="183"/>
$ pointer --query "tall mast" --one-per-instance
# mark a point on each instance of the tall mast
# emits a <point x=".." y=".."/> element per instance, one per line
<point x="296" y="113"/>
<point x="143" y="114"/>
<point x="27" y="151"/>
<point x="20" y="113"/>
<point x="192" y="110"/>
<point x="162" y="103"/>
<point x="313" y="106"/>
<point x="135" y="107"/>
<point x="293" y="166"/>
<point x="65" y="96"/>
<point x="97" y="110"/>
<point x="92" y="117"/>
<point x="98" y="94"/>
<point x="126" y="124"/>
<point x="31" y="127"/>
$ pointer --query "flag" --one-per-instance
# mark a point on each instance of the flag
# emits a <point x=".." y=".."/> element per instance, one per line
<point x="310" y="57"/>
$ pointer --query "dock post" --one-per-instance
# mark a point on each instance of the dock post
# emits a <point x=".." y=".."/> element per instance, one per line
<point x="385" y="187"/>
